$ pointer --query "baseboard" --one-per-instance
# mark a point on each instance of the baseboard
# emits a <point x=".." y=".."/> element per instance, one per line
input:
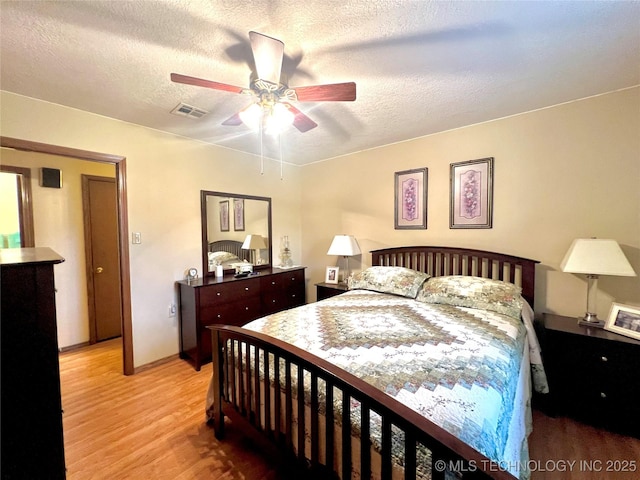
<point x="155" y="363"/>
<point x="73" y="347"/>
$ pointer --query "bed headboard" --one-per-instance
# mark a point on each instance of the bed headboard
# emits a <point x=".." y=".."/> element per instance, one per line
<point x="439" y="261"/>
<point x="230" y="246"/>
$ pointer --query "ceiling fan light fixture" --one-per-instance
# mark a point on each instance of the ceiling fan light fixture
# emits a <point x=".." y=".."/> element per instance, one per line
<point x="251" y="116"/>
<point x="278" y="118"/>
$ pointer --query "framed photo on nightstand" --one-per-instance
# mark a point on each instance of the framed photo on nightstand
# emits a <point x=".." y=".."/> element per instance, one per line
<point x="332" y="275"/>
<point x="625" y="320"/>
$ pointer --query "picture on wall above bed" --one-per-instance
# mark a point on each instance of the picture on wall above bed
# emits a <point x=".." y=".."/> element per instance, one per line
<point x="411" y="199"/>
<point x="471" y="203"/>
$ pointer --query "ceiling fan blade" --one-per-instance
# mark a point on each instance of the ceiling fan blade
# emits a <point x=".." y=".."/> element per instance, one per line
<point x="335" y="92"/>
<point x="267" y="54"/>
<point x="199" y="82"/>
<point x="233" y="120"/>
<point x="301" y="121"/>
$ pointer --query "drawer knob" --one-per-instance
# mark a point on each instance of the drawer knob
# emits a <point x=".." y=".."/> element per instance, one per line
<point x="218" y="293"/>
<point x="293" y="279"/>
<point x="246" y="308"/>
<point x="273" y="301"/>
<point x="219" y="316"/>
<point x="273" y="283"/>
<point x="246" y="288"/>
<point x="604" y="359"/>
<point x="603" y="395"/>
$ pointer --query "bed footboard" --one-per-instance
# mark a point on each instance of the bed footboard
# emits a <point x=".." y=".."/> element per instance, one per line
<point x="316" y="425"/>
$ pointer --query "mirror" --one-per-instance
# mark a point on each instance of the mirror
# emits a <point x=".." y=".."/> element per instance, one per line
<point x="227" y="221"/>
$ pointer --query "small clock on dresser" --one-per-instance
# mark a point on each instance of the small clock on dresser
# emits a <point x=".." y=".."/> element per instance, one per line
<point x="593" y="374"/>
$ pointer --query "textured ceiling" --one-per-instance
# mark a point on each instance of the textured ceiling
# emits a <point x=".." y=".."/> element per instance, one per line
<point x="420" y="67"/>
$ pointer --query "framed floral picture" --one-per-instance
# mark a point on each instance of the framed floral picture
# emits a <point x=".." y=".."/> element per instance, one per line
<point x="411" y="199"/>
<point x="238" y="214"/>
<point x="224" y="216"/>
<point x="471" y="202"/>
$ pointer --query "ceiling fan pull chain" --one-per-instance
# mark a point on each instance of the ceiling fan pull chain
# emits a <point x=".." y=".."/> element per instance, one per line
<point x="280" y="144"/>
<point x="261" y="149"/>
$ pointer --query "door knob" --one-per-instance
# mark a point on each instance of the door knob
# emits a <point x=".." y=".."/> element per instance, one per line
<point x="99" y="270"/>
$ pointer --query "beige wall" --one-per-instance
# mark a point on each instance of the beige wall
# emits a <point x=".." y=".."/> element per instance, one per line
<point x="561" y="173"/>
<point x="165" y="174"/>
<point x="57" y="221"/>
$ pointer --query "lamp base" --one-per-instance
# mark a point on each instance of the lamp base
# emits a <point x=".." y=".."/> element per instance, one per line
<point x="591" y="320"/>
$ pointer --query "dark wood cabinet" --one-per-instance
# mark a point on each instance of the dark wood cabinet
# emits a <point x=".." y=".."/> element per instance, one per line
<point x="593" y="374"/>
<point x="328" y="290"/>
<point x="32" y="439"/>
<point x="232" y="301"/>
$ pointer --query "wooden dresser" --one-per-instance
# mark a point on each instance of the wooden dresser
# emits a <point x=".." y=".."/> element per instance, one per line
<point x="232" y="301"/>
<point x="32" y="442"/>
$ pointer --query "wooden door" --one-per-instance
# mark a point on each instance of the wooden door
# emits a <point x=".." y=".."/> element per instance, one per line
<point x="101" y="245"/>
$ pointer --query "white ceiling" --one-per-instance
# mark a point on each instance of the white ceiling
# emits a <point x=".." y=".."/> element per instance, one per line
<point x="420" y="66"/>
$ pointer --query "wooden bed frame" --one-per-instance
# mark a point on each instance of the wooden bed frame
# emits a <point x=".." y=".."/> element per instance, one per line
<point x="241" y="400"/>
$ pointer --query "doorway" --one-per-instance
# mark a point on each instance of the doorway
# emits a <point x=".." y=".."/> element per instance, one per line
<point x="123" y="247"/>
<point x="17" y="213"/>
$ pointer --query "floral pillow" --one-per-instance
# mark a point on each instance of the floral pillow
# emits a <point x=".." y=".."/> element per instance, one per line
<point x="396" y="280"/>
<point x="475" y="292"/>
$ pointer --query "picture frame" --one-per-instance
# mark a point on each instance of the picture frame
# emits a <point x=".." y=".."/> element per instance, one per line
<point x="410" y="199"/>
<point x="332" y="275"/>
<point x="624" y="319"/>
<point x="224" y="216"/>
<point x="238" y="214"/>
<point x="471" y="194"/>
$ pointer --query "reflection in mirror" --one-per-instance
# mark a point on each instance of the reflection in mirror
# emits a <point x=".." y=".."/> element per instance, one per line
<point x="235" y="228"/>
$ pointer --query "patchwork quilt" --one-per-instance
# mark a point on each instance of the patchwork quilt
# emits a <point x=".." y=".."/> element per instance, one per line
<point x="460" y="366"/>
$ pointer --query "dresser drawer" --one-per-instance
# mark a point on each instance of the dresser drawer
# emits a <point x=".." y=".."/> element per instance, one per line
<point x="283" y="291"/>
<point x="231" y="313"/>
<point x="248" y="289"/>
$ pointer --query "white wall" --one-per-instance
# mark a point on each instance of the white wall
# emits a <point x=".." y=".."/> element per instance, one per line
<point x="561" y="173"/>
<point x="165" y="174"/>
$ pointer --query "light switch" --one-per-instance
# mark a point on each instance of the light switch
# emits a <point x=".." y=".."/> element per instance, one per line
<point x="137" y="238"/>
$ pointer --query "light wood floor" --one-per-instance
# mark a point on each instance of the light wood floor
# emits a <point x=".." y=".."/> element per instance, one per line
<point x="151" y="425"/>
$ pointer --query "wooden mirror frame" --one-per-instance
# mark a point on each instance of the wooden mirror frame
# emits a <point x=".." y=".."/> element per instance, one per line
<point x="204" y="194"/>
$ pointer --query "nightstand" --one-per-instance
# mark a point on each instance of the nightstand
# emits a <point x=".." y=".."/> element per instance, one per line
<point x="593" y="374"/>
<point x="327" y="290"/>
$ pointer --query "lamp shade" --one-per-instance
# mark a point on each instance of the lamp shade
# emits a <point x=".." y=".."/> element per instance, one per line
<point x="596" y="256"/>
<point x="344" y="245"/>
<point x="254" y="242"/>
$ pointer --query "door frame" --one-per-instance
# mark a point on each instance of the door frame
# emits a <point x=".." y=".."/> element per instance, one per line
<point x="120" y="164"/>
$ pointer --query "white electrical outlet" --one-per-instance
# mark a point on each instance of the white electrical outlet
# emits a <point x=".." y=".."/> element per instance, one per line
<point x="172" y="310"/>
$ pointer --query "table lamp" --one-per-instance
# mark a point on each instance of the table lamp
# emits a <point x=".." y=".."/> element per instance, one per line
<point x="594" y="257"/>
<point x="345" y="246"/>
<point x="254" y="242"/>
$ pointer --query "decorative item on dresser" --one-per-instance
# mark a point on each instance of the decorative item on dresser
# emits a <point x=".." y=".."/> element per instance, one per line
<point x="32" y="439"/>
<point x="593" y="374"/>
<point x="232" y="301"/>
<point x="594" y="257"/>
<point x="326" y="382"/>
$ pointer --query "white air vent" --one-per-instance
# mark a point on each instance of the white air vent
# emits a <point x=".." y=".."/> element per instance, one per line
<point x="189" y="111"/>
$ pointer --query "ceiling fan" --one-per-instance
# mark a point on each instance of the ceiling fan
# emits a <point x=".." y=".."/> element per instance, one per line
<point x="272" y="107"/>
